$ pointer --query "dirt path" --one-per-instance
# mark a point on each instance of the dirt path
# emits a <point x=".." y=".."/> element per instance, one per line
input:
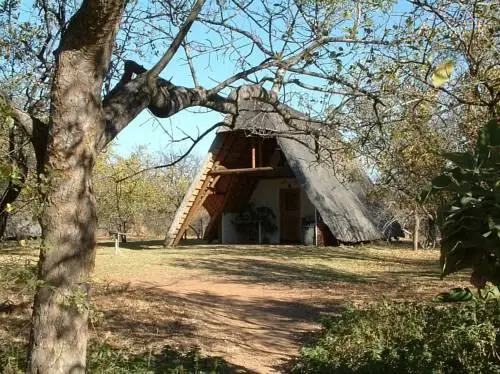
<point x="253" y="307"/>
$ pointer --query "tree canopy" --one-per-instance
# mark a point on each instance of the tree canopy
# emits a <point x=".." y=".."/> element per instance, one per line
<point x="145" y="202"/>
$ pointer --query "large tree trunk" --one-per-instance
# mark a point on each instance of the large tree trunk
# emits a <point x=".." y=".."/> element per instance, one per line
<point x="81" y="124"/>
<point x="60" y="313"/>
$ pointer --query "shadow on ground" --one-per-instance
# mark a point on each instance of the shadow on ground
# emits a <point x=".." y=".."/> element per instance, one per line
<point x="135" y="244"/>
<point x="106" y="359"/>
<point x="257" y="271"/>
<point x="222" y="325"/>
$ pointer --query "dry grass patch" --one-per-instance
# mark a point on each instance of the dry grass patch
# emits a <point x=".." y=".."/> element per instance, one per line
<point x="252" y="305"/>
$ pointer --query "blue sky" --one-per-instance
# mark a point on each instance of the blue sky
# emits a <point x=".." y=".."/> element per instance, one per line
<point x="210" y="71"/>
<point x="145" y="131"/>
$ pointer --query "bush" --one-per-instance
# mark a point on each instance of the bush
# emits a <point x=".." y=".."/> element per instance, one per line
<point x="470" y="223"/>
<point x="407" y="338"/>
<point x="104" y="359"/>
<point x="107" y="360"/>
<point x="12" y="358"/>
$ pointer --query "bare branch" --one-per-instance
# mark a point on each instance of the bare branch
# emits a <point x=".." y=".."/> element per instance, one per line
<point x="190" y="63"/>
<point x="23" y="119"/>
<point x="254" y="38"/>
<point x="176" y="43"/>
<point x="178" y="159"/>
<point x="241" y="75"/>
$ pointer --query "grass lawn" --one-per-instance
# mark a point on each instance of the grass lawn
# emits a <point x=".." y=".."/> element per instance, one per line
<point x="251" y="305"/>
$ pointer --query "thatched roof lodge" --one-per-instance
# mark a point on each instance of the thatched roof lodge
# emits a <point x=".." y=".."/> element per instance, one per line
<point x="261" y="182"/>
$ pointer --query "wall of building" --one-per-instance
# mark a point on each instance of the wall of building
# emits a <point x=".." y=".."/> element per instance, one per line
<point x="266" y="194"/>
<point x="229" y="233"/>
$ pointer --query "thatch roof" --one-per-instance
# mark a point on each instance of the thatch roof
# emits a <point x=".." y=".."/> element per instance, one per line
<point x="342" y="205"/>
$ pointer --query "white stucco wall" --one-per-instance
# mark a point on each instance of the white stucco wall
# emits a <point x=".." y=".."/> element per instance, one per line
<point x="266" y="193"/>
<point x="229" y="233"/>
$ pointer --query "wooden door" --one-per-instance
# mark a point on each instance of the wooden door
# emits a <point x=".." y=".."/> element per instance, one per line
<point x="290" y="215"/>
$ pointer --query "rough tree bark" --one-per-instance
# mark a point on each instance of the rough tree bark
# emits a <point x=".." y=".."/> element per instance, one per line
<point x="81" y="125"/>
<point x="60" y="312"/>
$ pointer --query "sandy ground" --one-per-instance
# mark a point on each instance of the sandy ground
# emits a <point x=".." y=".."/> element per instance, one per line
<point x="253" y="306"/>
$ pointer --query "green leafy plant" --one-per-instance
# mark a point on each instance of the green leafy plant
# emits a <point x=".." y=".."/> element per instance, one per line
<point x="407" y="338"/>
<point x="105" y="359"/>
<point x="470" y="224"/>
<point x="456" y="294"/>
<point x="261" y="214"/>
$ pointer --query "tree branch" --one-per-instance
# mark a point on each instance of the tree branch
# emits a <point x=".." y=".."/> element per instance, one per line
<point x="178" y="159"/>
<point x="131" y="96"/>
<point x="190" y="63"/>
<point x="176" y="43"/>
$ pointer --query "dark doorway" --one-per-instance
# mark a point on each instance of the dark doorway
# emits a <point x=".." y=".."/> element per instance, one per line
<point x="290" y="215"/>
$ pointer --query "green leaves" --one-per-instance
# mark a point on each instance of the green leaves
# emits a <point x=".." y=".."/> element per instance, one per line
<point x="407" y="338"/>
<point x="489" y="139"/>
<point x="470" y="223"/>
<point x="442" y="182"/>
<point x="442" y="73"/>
<point x="8" y="208"/>
<point x="455" y="295"/>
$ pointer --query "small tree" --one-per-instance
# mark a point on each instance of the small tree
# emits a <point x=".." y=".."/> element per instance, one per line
<point x="132" y="195"/>
<point x="470" y="224"/>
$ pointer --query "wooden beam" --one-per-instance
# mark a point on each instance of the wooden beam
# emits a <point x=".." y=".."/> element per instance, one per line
<point x="222" y="206"/>
<point x="263" y="171"/>
<point x="226" y="171"/>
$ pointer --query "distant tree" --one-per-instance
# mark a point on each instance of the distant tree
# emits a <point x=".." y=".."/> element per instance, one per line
<point x="405" y="159"/>
<point x="434" y="95"/>
<point x="15" y="152"/>
<point x="132" y="195"/>
<point x="200" y="224"/>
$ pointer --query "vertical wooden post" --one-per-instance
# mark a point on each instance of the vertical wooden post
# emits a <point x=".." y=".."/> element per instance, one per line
<point x="315" y="227"/>
<point x="253" y="153"/>
<point x="259" y="153"/>
<point x="416" y="230"/>
<point x="117" y="243"/>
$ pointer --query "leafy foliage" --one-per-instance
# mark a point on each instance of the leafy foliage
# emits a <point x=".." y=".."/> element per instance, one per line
<point x="104" y="359"/>
<point x="443" y="72"/>
<point x="407" y="338"/>
<point x="456" y="294"/>
<point x="129" y="199"/>
<point x="252" y="214"/>
<point x="470" y="224"/>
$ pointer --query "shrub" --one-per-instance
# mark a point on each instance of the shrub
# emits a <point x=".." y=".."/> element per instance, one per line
<point x="108" y="360"/>
<point x="12" y="357"/>
<point x="104" y="359"/>
<point x="407" y="338"/>
<point x="470" y="223"/>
